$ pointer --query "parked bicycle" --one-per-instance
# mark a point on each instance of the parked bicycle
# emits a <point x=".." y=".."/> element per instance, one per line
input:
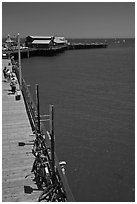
<point x="53" y="193"/>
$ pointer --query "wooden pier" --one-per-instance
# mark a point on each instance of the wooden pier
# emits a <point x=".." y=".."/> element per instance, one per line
<point x="76" y="46"/>
<point x="29" y="52"/>
<point x="54" y="50"/>
<point x="20" y="132"/>
<point x="16" y="161"/>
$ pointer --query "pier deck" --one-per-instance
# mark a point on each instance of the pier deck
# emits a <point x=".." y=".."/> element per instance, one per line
<point x="16" y="160"/>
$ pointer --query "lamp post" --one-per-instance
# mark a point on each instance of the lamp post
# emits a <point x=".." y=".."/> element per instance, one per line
<point x="19" y="61"/>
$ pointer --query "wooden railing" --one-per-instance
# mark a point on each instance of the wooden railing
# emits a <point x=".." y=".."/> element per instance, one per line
<point x="32" y="112"/>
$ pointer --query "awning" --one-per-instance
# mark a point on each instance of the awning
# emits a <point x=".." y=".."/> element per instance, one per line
<point x="41" y="42"/>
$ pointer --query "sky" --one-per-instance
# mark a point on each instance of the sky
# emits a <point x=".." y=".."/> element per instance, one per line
<point x="69" y="19"/>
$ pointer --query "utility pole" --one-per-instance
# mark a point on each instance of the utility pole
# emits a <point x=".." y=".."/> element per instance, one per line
<point x="38" y="107"/>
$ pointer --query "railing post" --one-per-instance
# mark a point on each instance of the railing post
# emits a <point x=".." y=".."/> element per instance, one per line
<point x="52" y="141"/>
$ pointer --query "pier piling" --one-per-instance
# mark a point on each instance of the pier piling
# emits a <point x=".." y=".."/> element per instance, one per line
<point x="38" y="107"/>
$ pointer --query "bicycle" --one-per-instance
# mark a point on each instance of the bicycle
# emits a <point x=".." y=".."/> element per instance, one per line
<point x="41" y="168"/>
<point x="53" y="193"/>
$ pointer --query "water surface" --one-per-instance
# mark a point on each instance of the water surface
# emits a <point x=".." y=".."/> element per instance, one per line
<point x="93" y="94"/>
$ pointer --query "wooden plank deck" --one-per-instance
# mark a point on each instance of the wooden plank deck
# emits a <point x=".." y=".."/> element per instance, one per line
<point x="16" y="160"/>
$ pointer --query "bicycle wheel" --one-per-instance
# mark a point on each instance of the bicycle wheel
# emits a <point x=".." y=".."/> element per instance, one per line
<point x="46" y="195"/>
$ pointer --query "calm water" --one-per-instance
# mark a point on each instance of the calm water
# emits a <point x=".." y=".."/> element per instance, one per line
<point x="93" y="94"/>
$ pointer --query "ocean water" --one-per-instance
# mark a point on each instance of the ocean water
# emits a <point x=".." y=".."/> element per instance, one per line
<point x="93" y="92"/>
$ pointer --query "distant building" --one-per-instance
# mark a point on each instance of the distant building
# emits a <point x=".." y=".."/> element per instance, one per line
<point x="60" y="41"/>
<point x="9" y="43"/>
<point x="39" y="41"/>
<point x="45" y="41"/>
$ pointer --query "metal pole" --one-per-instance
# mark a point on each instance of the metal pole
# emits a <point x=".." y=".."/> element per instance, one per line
<point x="38" y="107"/>
<point x="19" y="61"/>
<point x="52" y="140"/>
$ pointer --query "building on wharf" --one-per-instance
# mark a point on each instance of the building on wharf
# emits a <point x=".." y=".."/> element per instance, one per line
<point x="45" y="41"/>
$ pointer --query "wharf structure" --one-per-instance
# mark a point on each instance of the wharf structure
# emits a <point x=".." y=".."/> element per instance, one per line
<point x="47" y="46"/>
<point x="31" y="171"/>
<point x="16" y="161"/>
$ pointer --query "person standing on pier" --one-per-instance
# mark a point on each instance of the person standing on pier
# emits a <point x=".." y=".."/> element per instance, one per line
<point x="8" y="75"/>
<point x="13" y="84"/>
<point x="5" y="73"/>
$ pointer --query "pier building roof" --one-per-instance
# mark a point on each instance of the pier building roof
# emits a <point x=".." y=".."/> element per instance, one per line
<point x="41" y="41"/>
<point x="40" y="37"/>
<point x="9" y="41"/>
